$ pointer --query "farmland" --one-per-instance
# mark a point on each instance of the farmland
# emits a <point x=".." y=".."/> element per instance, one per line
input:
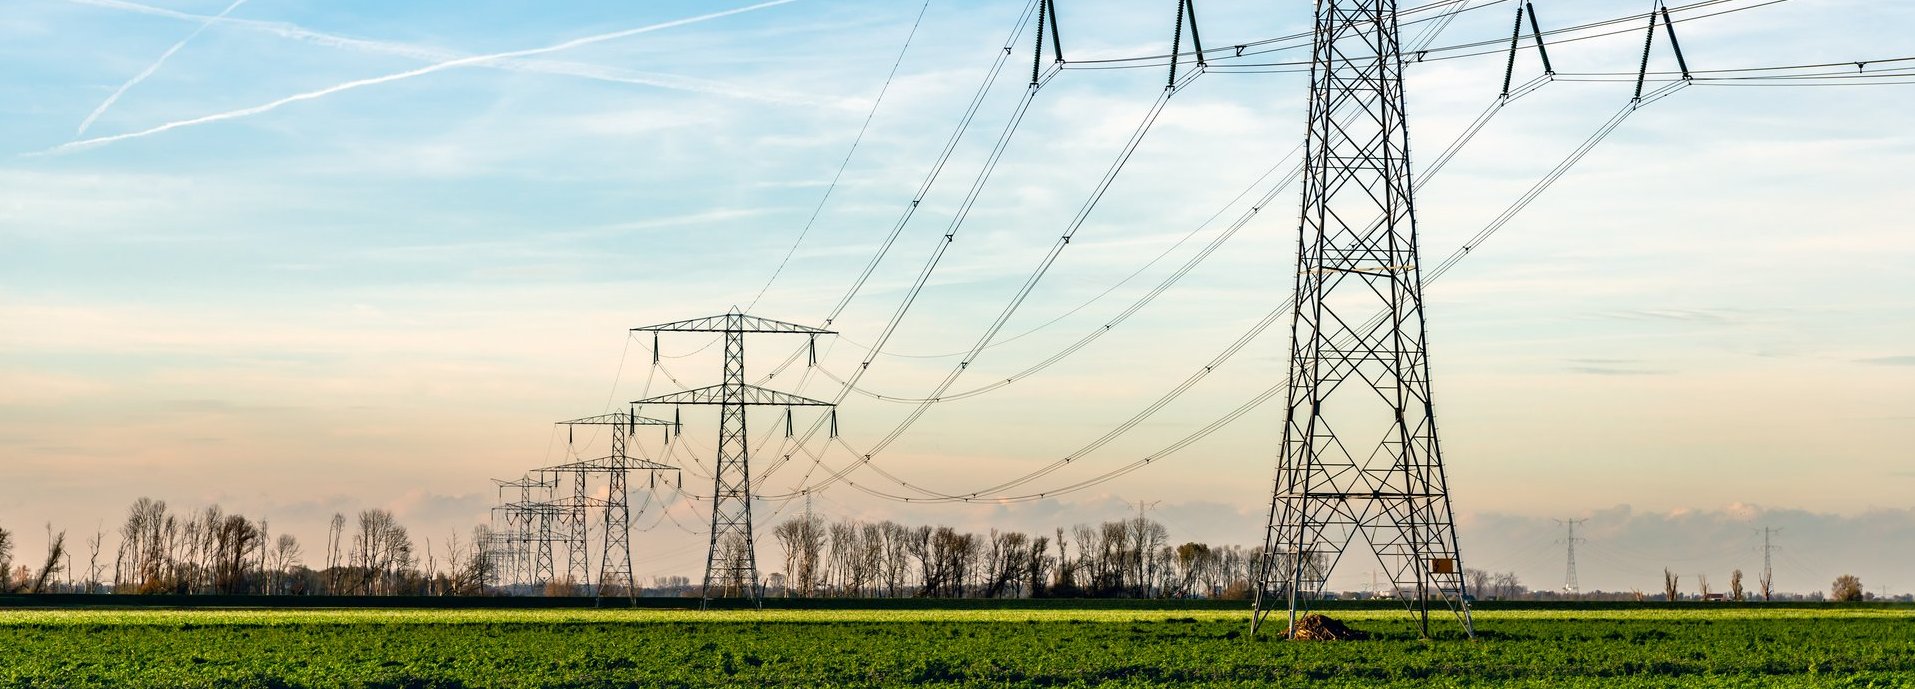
<point x="1044" y="647"/>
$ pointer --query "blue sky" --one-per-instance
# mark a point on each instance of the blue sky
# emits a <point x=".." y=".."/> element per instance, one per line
<point x="383" y="296"/>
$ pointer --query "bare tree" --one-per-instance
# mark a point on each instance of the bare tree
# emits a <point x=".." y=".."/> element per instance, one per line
<point x="1847" y="589"/>
<point x="335" y="531"/>
<point x="1702" y="581"/>
<point x="1507" y="585"/>
<point x="282" y="558"/>
<point x="56" y="548"/>
<point x="6" y="561"/>
<point x="1477" y="581"/>
<point x="1767" y="583"/>
<point x="93" y="562"/>
<point x="381" y="550"/>
<point x="1735" y="585"/>
<point x="1669" y="582"/>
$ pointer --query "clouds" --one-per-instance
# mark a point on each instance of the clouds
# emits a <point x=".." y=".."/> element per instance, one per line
<point x="1628" y="548"/>
<point x="1889" y="360"/>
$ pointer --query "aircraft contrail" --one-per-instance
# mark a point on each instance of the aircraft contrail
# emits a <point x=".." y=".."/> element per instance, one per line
<point x="572" y="69"/>
<point x="150" y="69"/>
<point x="408" y="74"/>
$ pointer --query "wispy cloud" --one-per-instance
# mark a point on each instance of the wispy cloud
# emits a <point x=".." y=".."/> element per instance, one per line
<point x="1903" y="360"/>
<point x="155" y="67"/>
<point x="1615" y="371"/>
<point x="408" y="74"/>
<point x="1711" y="317"/>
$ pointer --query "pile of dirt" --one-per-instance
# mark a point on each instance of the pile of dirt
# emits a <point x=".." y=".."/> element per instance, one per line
<point x="1316" y="627"/>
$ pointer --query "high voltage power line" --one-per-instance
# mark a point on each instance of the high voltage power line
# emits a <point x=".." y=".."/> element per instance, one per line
<point x="1216" y="59"/>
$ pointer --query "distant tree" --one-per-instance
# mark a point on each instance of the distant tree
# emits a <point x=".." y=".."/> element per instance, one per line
<point x="93" y="562"/>
<point x="56" y="548"/>
<point x="1702" y="582"/>
<point x="1477" y="581"/>
<point x="1847" y="589"/>
<point x="234" y="542"/>
<point x="1192" y="560"/>
<point x="6" y="561"/>
<point x="381" y="551"/>
<point x="1735" y="585"/>
<point x="281" y="559"/>
<point x="1507" y="586"/>
<point x="335" y="531"/>
<point x="1767" y="583"/>
<point x="1669" y="582"/>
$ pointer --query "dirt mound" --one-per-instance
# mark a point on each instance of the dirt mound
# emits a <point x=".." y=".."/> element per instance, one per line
<point x="1316" y="627"/>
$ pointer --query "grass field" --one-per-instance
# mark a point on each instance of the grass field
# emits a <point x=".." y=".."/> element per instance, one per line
<point x="1729" y="647"/>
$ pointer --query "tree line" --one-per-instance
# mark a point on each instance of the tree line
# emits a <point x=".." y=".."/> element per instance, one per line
<point x="211" y="551"/>
<point x="1129" y="558"/>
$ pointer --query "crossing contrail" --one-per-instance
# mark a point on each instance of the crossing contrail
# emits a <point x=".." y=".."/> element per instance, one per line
<point x="150" y="69"/>
<point x="614" y="75"/>
<point x="408" y="74"/>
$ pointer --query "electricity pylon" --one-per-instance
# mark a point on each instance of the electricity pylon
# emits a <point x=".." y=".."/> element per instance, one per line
<point x="1360" y="454"/>
<point x="1570" y="585"/>
<point x="615" y="563"/>
<point x="732" y="564"/>
<point x="528" y="529"/>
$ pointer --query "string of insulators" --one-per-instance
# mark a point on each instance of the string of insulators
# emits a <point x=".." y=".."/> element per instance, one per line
<point x="787" y="422"/>
<point x="1185" y="8"/>
<point x="834" y="423"/>
<point x="1057" y="44"/>
<point x="678" y="422"/>
<point x="1648" y="41"/>
<point x="1536" y="30"/>
<point x="1176" y="44"/>
<point x="1670" y="26"/>
<point x="812" y="349"/>
<point x="1515" y="38"/>
<point x="654" y="348"/>
<point x="1037" y="54"/>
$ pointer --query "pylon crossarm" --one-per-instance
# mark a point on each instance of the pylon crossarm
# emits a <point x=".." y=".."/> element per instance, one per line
<point x="733" y="322"/>
<point x="609" y="464"/>
<point x="749" y="395"/>
<point x="615" y="419"/>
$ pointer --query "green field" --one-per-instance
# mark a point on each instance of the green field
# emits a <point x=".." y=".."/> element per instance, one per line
<point x="1728" y="647"/>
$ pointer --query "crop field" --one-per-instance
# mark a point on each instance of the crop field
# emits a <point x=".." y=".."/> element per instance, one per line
<point x="1727" y="647"/>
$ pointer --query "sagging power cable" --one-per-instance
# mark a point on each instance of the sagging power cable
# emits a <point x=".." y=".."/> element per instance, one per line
<point x="1501" y="220"/>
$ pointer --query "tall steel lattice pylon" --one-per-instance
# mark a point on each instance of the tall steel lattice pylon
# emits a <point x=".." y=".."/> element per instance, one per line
<point x="1571" y="585"/>
<point x="615" y="563"/>
<point x="731" y="566"/>
<point x="1359" y="455"/>
<point x="531" y="546"/>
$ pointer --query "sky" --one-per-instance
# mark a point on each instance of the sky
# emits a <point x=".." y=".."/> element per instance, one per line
<point x="300" y="257"/>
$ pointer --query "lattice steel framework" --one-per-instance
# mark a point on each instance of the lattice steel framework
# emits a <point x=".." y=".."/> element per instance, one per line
<point x="529" y="533"/>
<point x="1360" y="454"/>
<point x="615" y="563"/>
<point x="731" y="565"/>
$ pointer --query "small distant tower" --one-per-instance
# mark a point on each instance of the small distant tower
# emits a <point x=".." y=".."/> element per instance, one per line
<point x="1570" y="585"/>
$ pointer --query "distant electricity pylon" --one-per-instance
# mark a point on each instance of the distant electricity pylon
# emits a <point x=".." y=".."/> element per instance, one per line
<point x="615" y="563"/>
<point x="1768" y="564"/>
<point x="1570" y="585"/>
<point x="1359" y="455"/>
<point x="529" y="533"/>
<point x="731" y="565"/>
